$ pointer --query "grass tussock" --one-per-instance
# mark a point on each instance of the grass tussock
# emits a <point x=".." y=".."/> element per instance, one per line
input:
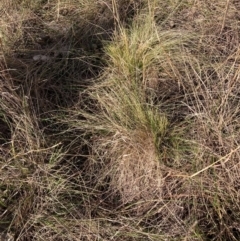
<point x="119" y="120"/>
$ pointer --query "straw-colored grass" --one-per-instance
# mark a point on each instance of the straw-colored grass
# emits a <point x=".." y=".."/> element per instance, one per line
<point x="119" y="120"/>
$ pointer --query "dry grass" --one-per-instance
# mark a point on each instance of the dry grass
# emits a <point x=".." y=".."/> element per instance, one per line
<point x="119" y="120"/>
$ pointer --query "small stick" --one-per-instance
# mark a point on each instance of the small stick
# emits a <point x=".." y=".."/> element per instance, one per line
<point x="225" y="16"/>
<point x="227" y="158"/>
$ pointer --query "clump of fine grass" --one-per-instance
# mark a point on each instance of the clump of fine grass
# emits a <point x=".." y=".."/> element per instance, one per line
<point x="136" y="135"/>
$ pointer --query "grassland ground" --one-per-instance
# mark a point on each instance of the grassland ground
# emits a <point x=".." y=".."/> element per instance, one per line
<point x="119" y="120"/>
